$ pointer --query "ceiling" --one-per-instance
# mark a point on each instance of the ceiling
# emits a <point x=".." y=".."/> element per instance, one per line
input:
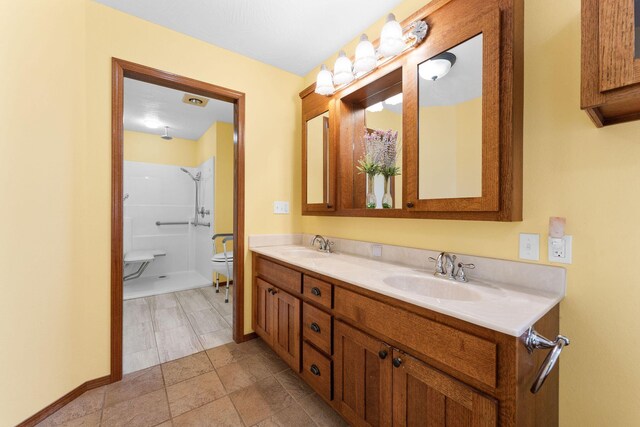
<point x="294" y="35"/>
<point x="143" y="101"/>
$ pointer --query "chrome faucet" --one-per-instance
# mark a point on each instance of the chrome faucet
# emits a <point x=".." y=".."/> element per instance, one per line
<point x="325" y="244"/>
<point x="446" y="267"/>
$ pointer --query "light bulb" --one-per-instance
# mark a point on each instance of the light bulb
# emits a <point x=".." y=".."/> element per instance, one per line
<point x="365" y="56"/>
<point x="394" y="100"/>
<point x="324" y="82"/>
<point x="437" y="67"/>
<point x="391" y="42"/>
<point x="375" y="108"/>
<point x="342" y="73"/>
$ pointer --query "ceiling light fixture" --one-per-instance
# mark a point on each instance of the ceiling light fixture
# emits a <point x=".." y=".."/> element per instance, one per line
<point x="195" y="100"/>
<point x="394" y="100"/>
<point x="394" y="40"/>
<point x="437" y="67"/>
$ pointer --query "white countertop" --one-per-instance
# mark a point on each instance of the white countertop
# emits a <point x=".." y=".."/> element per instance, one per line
<point x="501" y="307"/>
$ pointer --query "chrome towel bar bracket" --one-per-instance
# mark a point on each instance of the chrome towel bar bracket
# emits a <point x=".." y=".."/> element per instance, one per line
<point x="532" y="341"/>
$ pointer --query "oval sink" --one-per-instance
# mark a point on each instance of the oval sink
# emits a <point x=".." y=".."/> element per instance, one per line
<point x="432" y="287"/>
<point x="303" y="253"/>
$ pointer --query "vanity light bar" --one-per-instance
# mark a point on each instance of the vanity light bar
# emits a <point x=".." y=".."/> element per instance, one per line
<point x="346" y="72"/>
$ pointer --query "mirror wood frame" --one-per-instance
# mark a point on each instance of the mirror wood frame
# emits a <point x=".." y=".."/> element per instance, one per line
<point x="448" y="20"/>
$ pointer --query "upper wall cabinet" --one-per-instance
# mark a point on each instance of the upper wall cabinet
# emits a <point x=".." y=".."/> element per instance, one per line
<point x="611" y="60"/>
<point x="435" y="132"/>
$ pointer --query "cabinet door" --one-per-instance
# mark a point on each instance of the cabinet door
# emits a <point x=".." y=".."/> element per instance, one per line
<point x="362" y="377"/>
<point x="422" y="396"/>
<point x="286" y="315"/>
<point x="264" y="308"/>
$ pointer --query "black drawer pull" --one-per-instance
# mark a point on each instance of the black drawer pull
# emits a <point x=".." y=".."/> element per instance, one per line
<point x="397" y="362"/>
<point x="316" y="291"/>
<point x="382" y="354"/>
<point x="315" y="370"/>
<point x="314" y="327"/>
<point x="410" y="204"/>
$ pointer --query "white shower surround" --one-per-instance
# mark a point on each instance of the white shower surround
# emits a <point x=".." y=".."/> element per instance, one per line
<point x="165" y="193"/>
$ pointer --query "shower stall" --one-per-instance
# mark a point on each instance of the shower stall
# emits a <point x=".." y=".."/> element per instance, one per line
<point x="169" y="210"/>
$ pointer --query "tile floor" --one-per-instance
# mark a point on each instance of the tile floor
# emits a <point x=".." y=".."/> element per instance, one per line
<point x="161" y="328"/>
<point x="232" y="385"/>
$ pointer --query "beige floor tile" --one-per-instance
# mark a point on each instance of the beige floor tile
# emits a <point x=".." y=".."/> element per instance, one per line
<point x="176" y="343"/>
<point x="321" y="413"/>
<point x="194" y="392"/>
<point x="206" y="321"/>
<point x="185" y="368"/>
<point x="274" y="363"/>
<point x="261" y="400"/>
<point x="229" y="319"/>
<point x="292" y="416"/>
<point x="148" y="410"/>
<point x="134" y="385"/>
<point x="294" y="385"/>
<point x="192" y="300"/>
<point x="91" y="420"/>
<point x="243" y="373"/>
<point x="168" y="318"/>
<point x="141" y="360"/>
<point x="88" y="403"/>
<point x="217" y="338"/>
<point x="138" y="337"/>
<point x="165" y="424"/>
<point x="228" y="353"/>
<point x="219" y="413"/>
<point x="162" y="301"/>
<point x="135" y="311"/>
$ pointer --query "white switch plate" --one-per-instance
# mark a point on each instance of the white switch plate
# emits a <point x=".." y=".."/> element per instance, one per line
<point x="530" y="246"/>
<point x="280" y="208"/>
<point x="376" y="250"/>
<point x="561" y="251"/>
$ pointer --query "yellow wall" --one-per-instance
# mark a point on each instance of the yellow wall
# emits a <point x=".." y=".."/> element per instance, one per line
<point x="571" y="169"/>
<point x="42" y="110"/>
<point x="450" y="150"/>
<point x="56" y="172"/>
<point x="150" y="148"/>
<point x="223" y="209"/>
<point x="207" y="144"/>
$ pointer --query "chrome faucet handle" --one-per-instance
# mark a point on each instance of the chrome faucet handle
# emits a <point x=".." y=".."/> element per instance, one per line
<point x="450" y="266"/>
<point x="440" y="269"/>
<point x="461" y="276"/>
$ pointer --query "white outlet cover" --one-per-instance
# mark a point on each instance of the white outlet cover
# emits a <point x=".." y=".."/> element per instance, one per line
<point x="567" y="259"/>
<point x="376" y="250"/>
<point x="530" y="246"/>
<point x="280" y="207"/>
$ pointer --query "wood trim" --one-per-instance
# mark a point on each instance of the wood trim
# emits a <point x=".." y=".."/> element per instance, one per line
<point x="122" y="69"/>
<point x="73" y="394"/>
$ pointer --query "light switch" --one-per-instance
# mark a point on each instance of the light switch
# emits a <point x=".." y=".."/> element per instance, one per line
<point x="530" y="246"/>
<point x="560" y="249"/>
<point x="280" y="208"/>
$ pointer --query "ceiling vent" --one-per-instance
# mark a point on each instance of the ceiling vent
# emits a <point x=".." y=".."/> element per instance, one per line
<point x="196" y="100"/>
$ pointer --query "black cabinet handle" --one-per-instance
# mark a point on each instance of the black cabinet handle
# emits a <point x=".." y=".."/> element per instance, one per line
<point x="315" y="370"/>
<point x="410" y="204"/>
<point x="316" y="291"/>
<point x="383" y="354"/>
<point x="314" y="327"/>
<point x="397" y="362"/>
<point x="270" y="290"/>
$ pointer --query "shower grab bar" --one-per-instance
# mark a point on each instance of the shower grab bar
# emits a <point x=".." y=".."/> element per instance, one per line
<point x="204" y="224"/>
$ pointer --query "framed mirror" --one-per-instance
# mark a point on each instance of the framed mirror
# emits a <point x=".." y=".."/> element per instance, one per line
<point x="318" y="154"/>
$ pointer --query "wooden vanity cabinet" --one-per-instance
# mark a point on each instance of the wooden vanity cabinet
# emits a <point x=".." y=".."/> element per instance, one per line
<point x="610" y="61"/>
<point x="379" y="361"/>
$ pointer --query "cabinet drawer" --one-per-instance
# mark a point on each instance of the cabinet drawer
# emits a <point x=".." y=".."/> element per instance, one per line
<point x="317" y="327"/>
<point x="318" y="291"/>
<point x="283" y="277"/>
<point x="316" y="370"/>
<point x="466" y="353"/>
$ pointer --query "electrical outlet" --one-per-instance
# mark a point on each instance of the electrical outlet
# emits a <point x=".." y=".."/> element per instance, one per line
<point x="530" y="246"/>
<point x="376" y="250"/>
<point x="560" y="249"/>
<point x="280" y="208"/>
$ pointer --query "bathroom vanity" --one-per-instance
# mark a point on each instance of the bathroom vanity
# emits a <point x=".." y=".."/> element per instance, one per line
<point x="387" y="344"/>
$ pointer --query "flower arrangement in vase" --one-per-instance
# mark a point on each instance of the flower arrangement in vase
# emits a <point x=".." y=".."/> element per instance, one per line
<point x="379" y="158"/>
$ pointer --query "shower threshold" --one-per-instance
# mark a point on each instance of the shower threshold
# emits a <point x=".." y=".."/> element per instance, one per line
<point x="171" y="282"/>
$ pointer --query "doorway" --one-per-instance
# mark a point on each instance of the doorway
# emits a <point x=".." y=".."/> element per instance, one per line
<point x="124" y="73"/>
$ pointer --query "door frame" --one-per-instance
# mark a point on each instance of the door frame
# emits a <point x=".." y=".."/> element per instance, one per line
<point x="120" y="70"/>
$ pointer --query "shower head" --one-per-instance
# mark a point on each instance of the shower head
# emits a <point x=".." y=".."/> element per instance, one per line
<point x="166" y="134"/>
<point x="195" y="178"/>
